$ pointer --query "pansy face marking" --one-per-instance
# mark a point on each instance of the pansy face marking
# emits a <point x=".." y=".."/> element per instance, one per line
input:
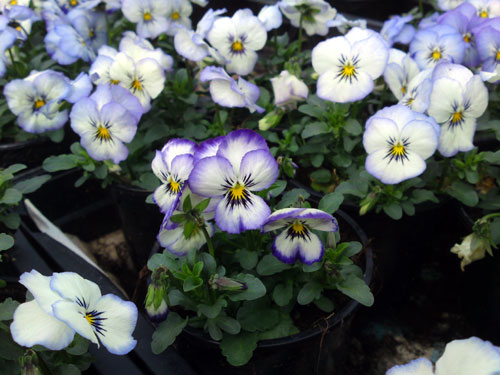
<point x="436" y="55"/>
<point x="298" y="229"/>
<point x="93" y="317"/>
<point x="348" y="68"/>
<point x="147" y="16"/>
<point x="398" y="150"/>
<point x="237" y="45"/>
<point x="175" y="16"/>
<point x="102" y="133"/>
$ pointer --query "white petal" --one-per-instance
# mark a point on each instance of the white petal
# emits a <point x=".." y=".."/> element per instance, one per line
<point x="477" y="95"/>
<point x="373" y="55"/>
<point x="457" y="138"/>
<point x="378" y="133"/>
<point x="326" y="54"/>
<point x="210" y="175"/>
<point x="74" y="316"/>
<point x="331" y="87"/>
<point x="72" y="286"/>
<point x="378" y="164"/>
<point x="421" y="366"/>
<point x="422" y="138"/>
<point x="237" y="143"/>
<point x="222" y="93"/>
<point x="261" y="167"/>
<point x="18" y="93"/>
<point x="242" y="63"/>
<point x="153" y="76"/>
<point x="33" y="326"/>
<point x="445" y="93"/>
<point x="39" y="287"/>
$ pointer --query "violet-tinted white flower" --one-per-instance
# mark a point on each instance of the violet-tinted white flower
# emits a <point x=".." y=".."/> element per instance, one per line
<point x="418" y="91"/>
<point x="139" y="48"/>
<point x="343" y="25"/>
<point x="36" y="99"/>
<point x="230" y="93"/>
<point x="486" y="8"/>
<point x="172" y="165"/>
<point x="178" y="13"/>
<point x="288" y="89"/>
<point x="457" y="99"/>
<point x="271" y="17"/>
<point x="208" y="148"/>
<point x="435" y="44"/>
<point x="149" y="15"/>
<point x="66" y="303"/>
<point x="237" y="39"/>
<point x="492" y="77"/>
<point x="400" y="70"/>
<point x="19" y="18"/>
<point x="242" y="165"/>
<point x="464" y="19"/>
<point x="488" y="47"/>
<point x="314" y="14"/>
<point x="449" y="4"/>
<point x="398" y="141"/>
<point x="105" y="121"/>
<point x="191" y="44"/>
<point x="460" y="357"/>
<point x="349" y="64"/>
<point x="398" y="30"/>
<point x="8" y="37"/>
<point x="429" y="21"/>
<point x="159" y="314"/>
<point x="297" y="241"/>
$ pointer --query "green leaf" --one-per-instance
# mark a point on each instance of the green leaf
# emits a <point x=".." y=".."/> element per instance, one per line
<point x="311" y="110"/>
<point x="284" y="328"/>
<point x="277" y="188"/>
<point x="309" y="292"/>
<point x="197" y="268"/>
<point x="186" y="205"/>
<point x="357" y="289"/>
<point x="331" y="202"/>
<point x="255" y="288"/>
<point x="248" y="259"/>
<point x="9" y="349"/>
<point x="11" y="219"/>
<point x="315" y="128"/>
<point x="191" y="283"/>
<point x="11" y="196"/>
<point x="189" y="227"/>
<point x="79" y="346"/>
<point x="269" y="265"/>
<point x="257" y="316"/>
<point x="325" y="304"/>
<point x="228" y="324"/>
<point x="321" y="176"/>
<point x="200" y="207"/>
<point x="164" y="259"/>
<point x="353" y="127"/>
<point x="177" y="298"/>
<point x="214" y="331"/>
<point x="212" y="311"/>
<point x="209" y="264"/>
<point x="421" y="195"/>
<point x="167" y="332"/>
<point x="101" y="171"/>
<point x="60" y="162"/>
<point x="291" y="197"/>
<point x="464" y="193"/>
<point x="32" y="184"/>
<point x="352" y="249"/>
<point x="14" y="168"/>
<point x="283" y="293"/>
<point x="7" y="309"/>
<point x="393" y="210"/>
<point x="6" y="241"/>
<point x="238" y="349"/>
<point x="67" y="369"/>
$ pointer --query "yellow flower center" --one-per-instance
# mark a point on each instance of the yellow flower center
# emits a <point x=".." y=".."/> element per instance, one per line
<point x="175" y="16"/>
<point x="410" y="101"/>
<point x="497" y="57"/>
<point x="136" y="85"/>
<point x="90" y="319"/>
<point x="147" y="16"/>
<point x="237" y="192"/>
<point x="467" y="38"/>
<point x="348" y="71"/>
<point x="298" y="228"/>
<point x="91" y="33"/>
<point x="39" y="103"/>
<point x="114" y="81"/>
<point x="103" y="133"/>
<point x="436" y="55"/>
<point x="456" y="118"/>
<point x="174" y="186"/>
<point x="398" y="150"/>
<point x="73" y="3"/>
<point x="403" y="89"/>
<point x="13" y="2"/>
<point x="483" y="13"/>
<point x="18" y="28"/>
<point x="237" y="46"/>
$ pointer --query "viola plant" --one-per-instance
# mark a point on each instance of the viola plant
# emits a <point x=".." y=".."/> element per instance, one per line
<point x="236" y="268"/>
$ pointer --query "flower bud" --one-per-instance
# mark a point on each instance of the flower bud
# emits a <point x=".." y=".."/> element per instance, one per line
<point x="159" y="314"/>
<point x="271" y="119"/>
<point x="225" y="283"/>
<point x="368" y="202"/>
<point x="288" y="90"/>
<point x="29" y="363"/>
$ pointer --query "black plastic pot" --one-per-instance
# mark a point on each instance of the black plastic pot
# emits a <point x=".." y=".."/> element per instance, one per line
<point x="140" y="220"/>
<point x="313" y="351"/>
<point x="30" y="153"/>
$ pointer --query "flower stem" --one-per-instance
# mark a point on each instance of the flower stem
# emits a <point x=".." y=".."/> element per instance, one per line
<point x="421" y="7"/>
<point x="14" y="63"/>
<point x="219" y="120"/>
<point x="299" y="48"/>
<point x="491" y="216"/>
<point x="209" y="241"/>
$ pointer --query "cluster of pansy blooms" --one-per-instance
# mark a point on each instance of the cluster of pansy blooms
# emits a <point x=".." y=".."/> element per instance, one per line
<point x="460" y="357"/>
<point x="66" y="304"/>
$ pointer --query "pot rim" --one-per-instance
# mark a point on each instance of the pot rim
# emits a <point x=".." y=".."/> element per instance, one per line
<point x="21" y="144"/>
<point x="331" y="322"/>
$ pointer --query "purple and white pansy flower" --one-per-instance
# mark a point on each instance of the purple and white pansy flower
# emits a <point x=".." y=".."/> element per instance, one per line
<point x="398" y="141"/>
<point x="237" y="39"/>
<point x="172" y="165"/>
<point x="297" y="241"/>
<point x="397" y="29"/>
<point x="242" y="165"/>
<point x="418" y="91"/>
<point x="228" y="92"/>
<point x="149" y="15"/>
<point x="65" y="304"/>
<point x="400" y="70"/>
<point x="312" y="15"/>
<point x="348" y="65"/>
<point x="460" y="357"/>
<point x="457" y="99"/>
<point x="271" y="17"/>
<point x="105" y="121"/>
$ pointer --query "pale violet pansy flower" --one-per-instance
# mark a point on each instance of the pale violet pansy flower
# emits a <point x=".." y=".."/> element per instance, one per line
<point x="288" y="89"/>
<point x="343" y="24"/>
<point x="487" y="8"/>
<point x="457" y="99"/>
<point x="397" y="29"/>
<point x="400" y="70"/>
<point x="348" y="65"/>
<point x="297" y="241"/>
<point x="418" y="91"/>
<point x="312" y="15"/>
<point x="106" y="121"/>
<point x="488" y="46"/>
<point x="449" y="4"/>
<point x="460" y="357"/>
<point x="138" y="48"/>
<point x="398" y="141"/>
<point x="178" y="13"/>
<point x="237" y="39"/>
<point x="65" y="304"/>
<point x="429" y="21"/>
<point x="191" y="44"/>
<point x="106" y="319"/>
<point x="172" y="236"/>
<point x="37" y="99"/>
<point x="492" y="77"/>
<point x="149" y="15"/>
<point x="172" y="165"/>
<point x="271" y="17"/>
<point x="231" y="93"/>
<point x="242" y="165"/>
<point x="436" y="44"/>
<point x="208" y="148"/>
